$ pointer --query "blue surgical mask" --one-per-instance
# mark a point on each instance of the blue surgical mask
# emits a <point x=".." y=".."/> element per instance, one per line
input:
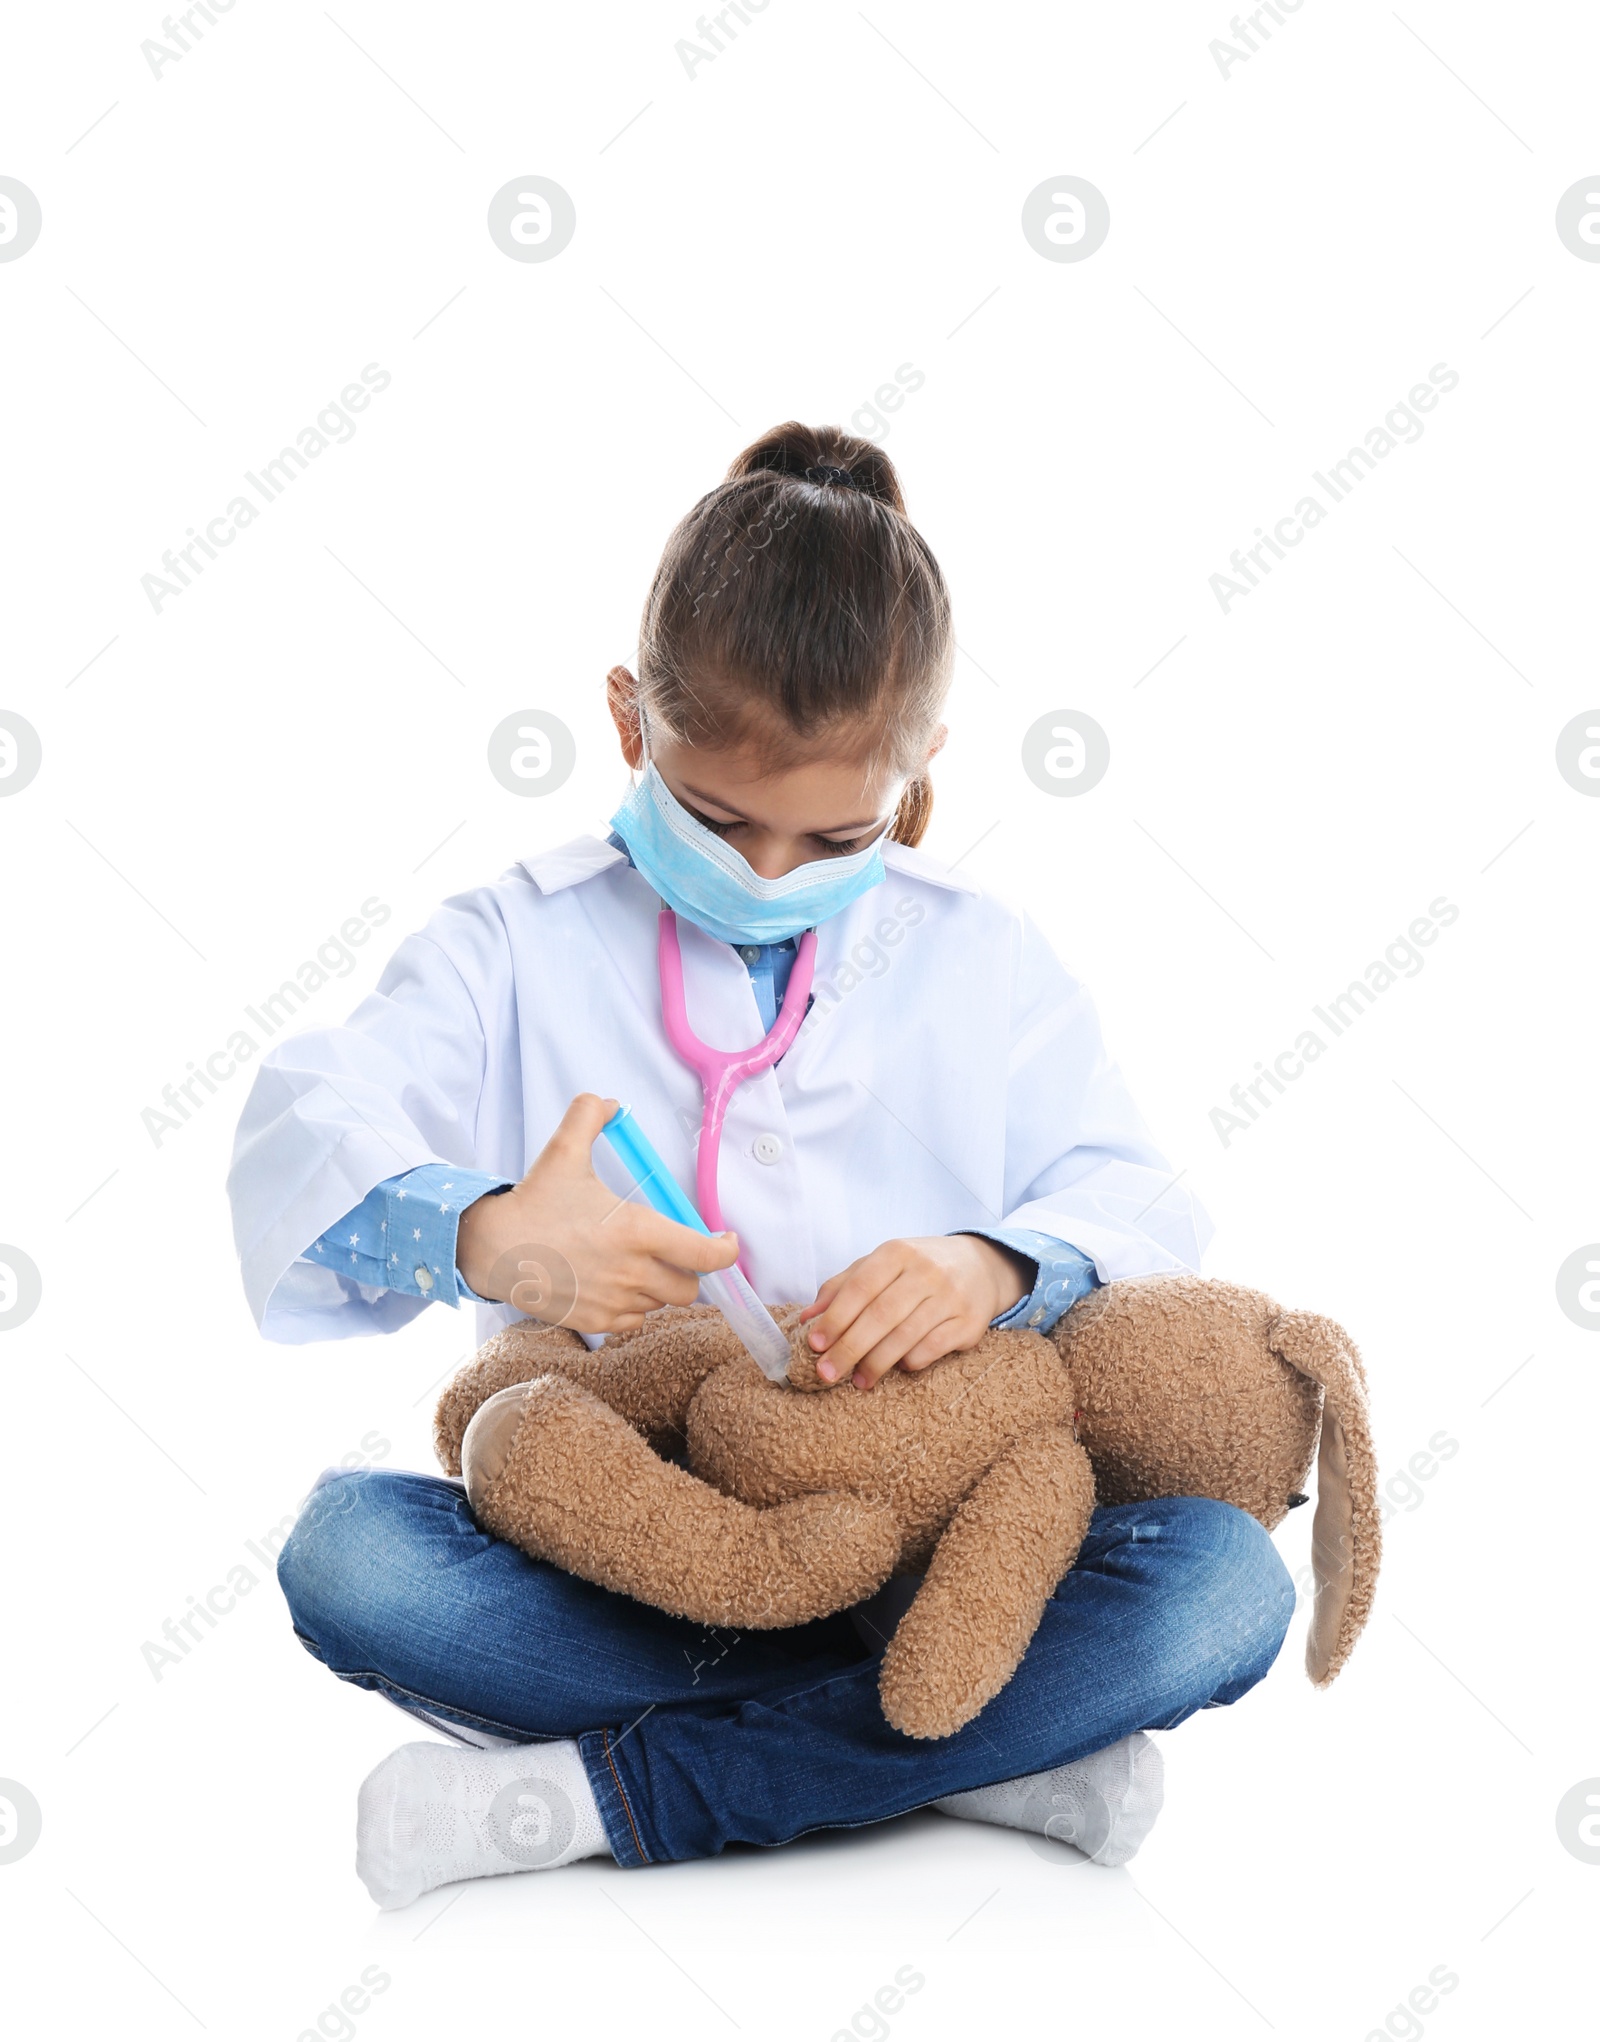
<point x="708" y="882"/>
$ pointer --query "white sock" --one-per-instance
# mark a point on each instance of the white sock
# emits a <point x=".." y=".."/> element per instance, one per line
<point x="1105" y="1804"/>
<point x="432" y="1813"/>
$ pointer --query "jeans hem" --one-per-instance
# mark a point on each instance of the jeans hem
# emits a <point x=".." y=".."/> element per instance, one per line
<point x="611" y="1797"/>
<point x="409" y="1700"/>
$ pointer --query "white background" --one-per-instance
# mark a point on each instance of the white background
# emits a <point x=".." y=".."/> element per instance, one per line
<point x="226" y="781"/>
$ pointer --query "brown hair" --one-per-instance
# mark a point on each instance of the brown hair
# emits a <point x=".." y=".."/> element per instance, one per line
<point x="797" y="603"/>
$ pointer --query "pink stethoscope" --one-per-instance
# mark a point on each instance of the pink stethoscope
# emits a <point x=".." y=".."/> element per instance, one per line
<point x="722" y="1071"/>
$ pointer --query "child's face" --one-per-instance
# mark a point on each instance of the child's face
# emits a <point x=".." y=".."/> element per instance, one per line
<point x="780" y="819"/>
<point x="775" y="818"/>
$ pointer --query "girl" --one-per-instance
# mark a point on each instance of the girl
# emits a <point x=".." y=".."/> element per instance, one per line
<point x="942" y="1147"/>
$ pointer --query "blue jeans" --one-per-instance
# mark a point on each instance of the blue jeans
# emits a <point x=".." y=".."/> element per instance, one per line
<point x="696" y="1738"/>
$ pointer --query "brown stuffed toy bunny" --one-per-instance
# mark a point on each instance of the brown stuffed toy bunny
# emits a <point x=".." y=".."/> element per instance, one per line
<point x="981" y="1471"/>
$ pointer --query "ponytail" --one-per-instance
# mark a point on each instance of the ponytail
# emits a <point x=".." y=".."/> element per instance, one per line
<point x="911" y="818"/>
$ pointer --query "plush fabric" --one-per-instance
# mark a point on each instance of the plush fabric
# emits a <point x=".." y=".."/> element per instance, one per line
<point x="665" y="1466"/>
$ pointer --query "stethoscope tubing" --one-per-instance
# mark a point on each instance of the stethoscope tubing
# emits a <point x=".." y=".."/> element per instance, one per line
<point x="722" y="1071"/>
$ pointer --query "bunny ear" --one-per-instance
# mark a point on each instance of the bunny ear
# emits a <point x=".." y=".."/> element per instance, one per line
<point x="1346" y="1536"/>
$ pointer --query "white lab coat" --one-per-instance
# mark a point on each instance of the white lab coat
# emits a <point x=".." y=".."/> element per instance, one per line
<point x="950" y="1075"/>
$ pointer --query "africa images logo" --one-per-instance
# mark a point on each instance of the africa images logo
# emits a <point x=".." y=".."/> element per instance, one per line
<point x="1403" y="958"/>
<point x="1401" y="426"/>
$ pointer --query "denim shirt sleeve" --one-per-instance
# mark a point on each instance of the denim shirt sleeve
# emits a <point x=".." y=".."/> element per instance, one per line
<point x="1061" y="1276"/>
<point x="402" y="1236"/>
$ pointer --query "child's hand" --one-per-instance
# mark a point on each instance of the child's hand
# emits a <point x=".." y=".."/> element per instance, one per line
<point x="624" y="1259"/>
<point x="912" y="1302"/>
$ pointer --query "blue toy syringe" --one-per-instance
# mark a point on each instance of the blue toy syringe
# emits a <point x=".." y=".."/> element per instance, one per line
<point x="727" y="1289"/>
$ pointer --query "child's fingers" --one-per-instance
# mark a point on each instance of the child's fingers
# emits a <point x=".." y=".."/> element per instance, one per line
<point x="705" y="1252"/>
<point x="824" y="1297"/>
<point x="654" y="1284"/>
<point x="948" y="1336"/>
<point x="898" y="1343"/>
<point x="579" y="1129"/>
<point x="666" y="1281"/>
<point x="844" y="1297"/>
<point x="844" y="1333"/>
<point x="659" y="1239"/>
<point x="846" y="1305"/>
<point x="874" y="1322"/>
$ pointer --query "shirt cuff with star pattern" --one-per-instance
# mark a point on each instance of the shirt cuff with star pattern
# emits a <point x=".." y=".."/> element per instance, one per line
<point x="1062" y="1275"/>
<point x="402" y="1236"/>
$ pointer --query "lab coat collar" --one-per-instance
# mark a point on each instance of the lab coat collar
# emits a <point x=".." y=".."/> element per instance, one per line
<point x="569" y="864"/>
<point x="918" y="865"/>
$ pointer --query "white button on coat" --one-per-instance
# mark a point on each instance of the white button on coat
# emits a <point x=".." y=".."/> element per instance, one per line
<point x="423" y="1278"/>
<point x="999" y="1106"/>
<point x="768" y="1148"/>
